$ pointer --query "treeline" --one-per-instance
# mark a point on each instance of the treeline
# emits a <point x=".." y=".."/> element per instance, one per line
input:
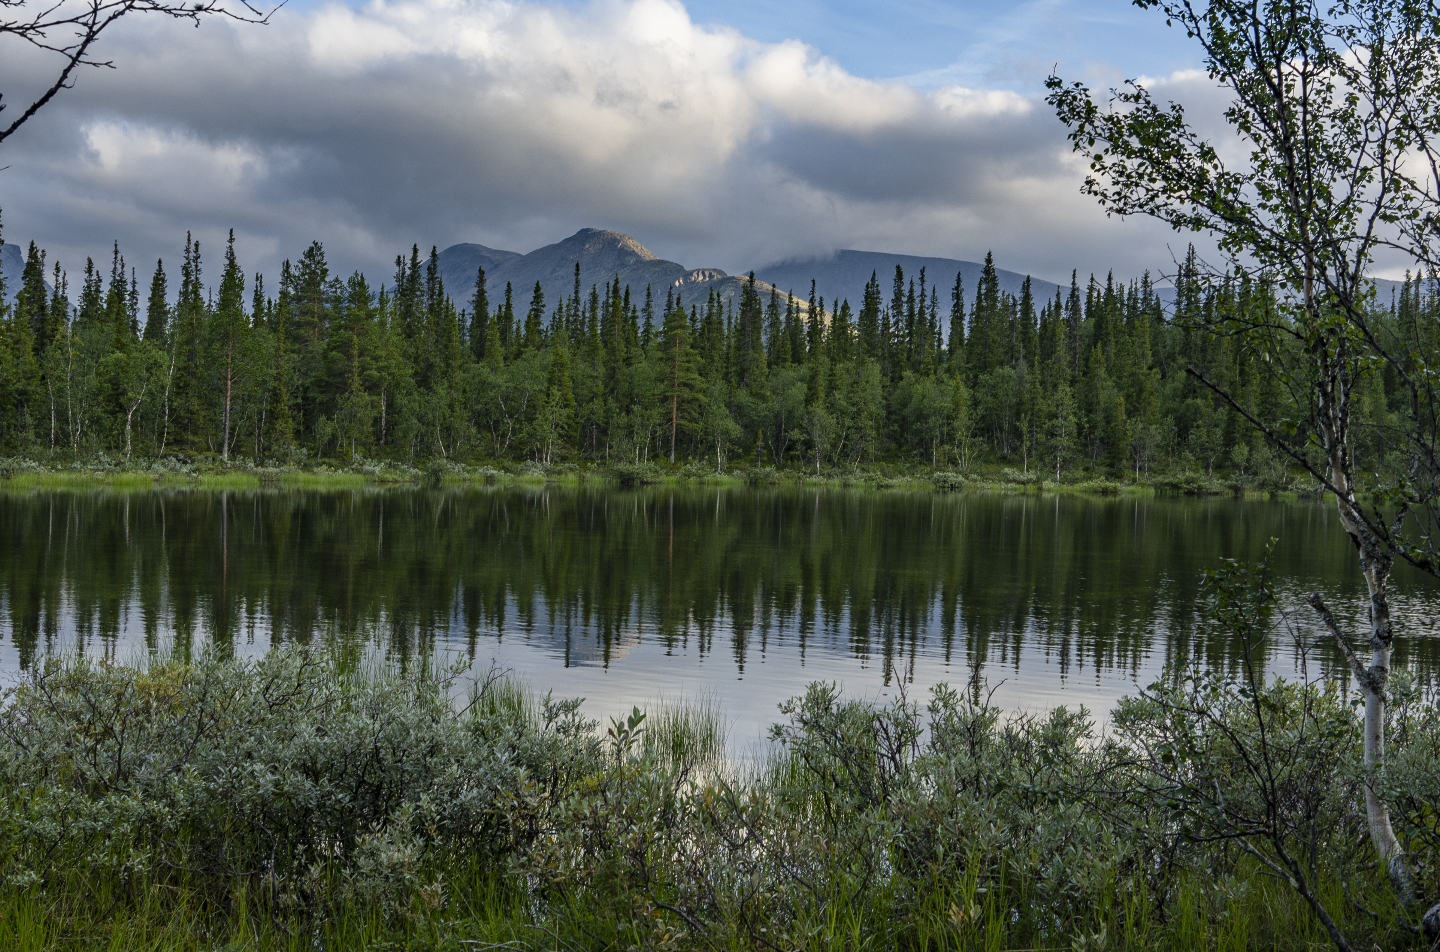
<point x="937" y="375"/>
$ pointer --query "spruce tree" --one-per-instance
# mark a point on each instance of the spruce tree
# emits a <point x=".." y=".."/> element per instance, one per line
<point x="683" y="383"/>
<point x="229" y="328"/>
<point x="535" y="319"/>
<point x="187" y="401"/>
<point x="479" y="316"/>
<point x="955" y="345"/>
<point x="868" y="326"/>
<point x="32" y="301"/>
<point x="157" y="309"/>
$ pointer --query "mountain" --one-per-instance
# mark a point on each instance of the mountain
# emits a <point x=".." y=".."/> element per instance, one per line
<point x="844" y="275"/>
<point x="1386" y="290"/>
<point x="12" y="265"/>
<point x="603" y="256"/>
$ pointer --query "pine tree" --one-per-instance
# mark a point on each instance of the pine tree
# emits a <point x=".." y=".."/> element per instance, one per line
<point x="535" y="318"/>
<point x="774" y="329"/>
<point x="117" y="306"/>
<point x="899" y="341"/>
<point x="748" y="349"/>
<point x="555" y="416"/>
<point x="32" y="303"/>
<point x="91" y="313"/>
<point x="188" y="399"/>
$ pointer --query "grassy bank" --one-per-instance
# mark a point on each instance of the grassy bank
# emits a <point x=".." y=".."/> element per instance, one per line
<point x="294" y="803"/>
<point x="204" y="473"/>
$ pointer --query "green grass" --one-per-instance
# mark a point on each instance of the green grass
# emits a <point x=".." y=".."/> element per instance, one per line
<point x="31" y="477"/>
<point x="687" y="734"/>
<point x="481" y="907"/>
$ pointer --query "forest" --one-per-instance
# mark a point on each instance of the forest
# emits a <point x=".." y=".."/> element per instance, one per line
<point x="922" y="373"/>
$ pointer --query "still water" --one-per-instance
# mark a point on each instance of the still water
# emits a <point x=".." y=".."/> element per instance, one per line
<point x="741" y="596"/>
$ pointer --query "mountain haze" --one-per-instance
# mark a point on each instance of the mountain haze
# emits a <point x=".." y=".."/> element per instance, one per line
<point x="844" y="274"/>
<point x="603" y="256"/>
<point x="12" y="266"/>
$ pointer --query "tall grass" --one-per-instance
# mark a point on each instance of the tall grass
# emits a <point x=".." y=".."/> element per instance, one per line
<point x="682" y="734"/>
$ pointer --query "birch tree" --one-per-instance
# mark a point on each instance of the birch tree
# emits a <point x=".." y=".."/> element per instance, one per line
<point x="1334" y="112"/>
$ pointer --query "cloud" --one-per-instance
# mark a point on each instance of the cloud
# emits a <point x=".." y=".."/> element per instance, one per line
<point x="371" y="127"/>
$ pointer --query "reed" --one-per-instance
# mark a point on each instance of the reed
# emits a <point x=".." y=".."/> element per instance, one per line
<point x="689" y="735"/>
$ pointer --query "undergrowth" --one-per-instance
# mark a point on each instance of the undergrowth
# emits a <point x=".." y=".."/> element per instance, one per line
<point x="290" y="802"/>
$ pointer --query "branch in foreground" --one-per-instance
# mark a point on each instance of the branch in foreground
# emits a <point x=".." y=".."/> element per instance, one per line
<point x="81" y="23"/>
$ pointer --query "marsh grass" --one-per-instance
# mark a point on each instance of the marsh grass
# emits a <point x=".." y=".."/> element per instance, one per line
<point x="861" y="827"/>
<point x="681" y="734"/>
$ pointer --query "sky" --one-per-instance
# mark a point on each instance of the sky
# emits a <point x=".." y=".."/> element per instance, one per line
<point x="718" y="134"/>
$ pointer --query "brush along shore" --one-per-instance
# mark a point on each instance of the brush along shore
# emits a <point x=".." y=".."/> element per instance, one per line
<point x="205" y="473"/>
<point x="299" y="801"/>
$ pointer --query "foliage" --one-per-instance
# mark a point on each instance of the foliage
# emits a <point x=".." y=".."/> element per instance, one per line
<point x="287" y="795"/>
<point x="318" y="370"/>
<point x="948" y="482"/>
<point x="282" y="776"/>
<point x="1334" y="138"/>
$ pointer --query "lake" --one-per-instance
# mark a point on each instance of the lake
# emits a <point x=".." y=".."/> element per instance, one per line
<point x="739" y="596"/>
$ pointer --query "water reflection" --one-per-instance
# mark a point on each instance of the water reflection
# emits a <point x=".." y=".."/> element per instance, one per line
<point x="631" y="593"/>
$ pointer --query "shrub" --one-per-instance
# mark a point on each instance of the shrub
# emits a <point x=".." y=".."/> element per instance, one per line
<point x="635" y="474"/>
<point x="289" y="785"/>
<point x="1017" y="478"/>
<point x="307" y="784"/>
<point x="759" y="475"/>
<point x="15" y="466"/>
<point x="948" y="482"/>
<point x="696" y="471"/>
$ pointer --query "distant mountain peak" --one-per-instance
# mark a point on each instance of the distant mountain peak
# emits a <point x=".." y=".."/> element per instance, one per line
<point x="603" y="255"/>
<point x="595" y="240"/>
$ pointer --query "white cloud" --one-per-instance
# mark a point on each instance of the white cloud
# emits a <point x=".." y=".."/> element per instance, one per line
<point x="513" y="124"/>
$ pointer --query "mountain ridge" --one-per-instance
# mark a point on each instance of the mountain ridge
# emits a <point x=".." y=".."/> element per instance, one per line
<point x="843" y="274"/>
<point x="603" y="256"/>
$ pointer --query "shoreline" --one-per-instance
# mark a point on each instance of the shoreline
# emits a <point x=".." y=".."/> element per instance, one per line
<point x="29" y="475"/>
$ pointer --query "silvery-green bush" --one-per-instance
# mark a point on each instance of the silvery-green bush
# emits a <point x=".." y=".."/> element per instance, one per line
<point x="314" y="785"/>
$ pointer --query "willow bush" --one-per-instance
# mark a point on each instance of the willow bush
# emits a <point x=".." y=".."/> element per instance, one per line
<point x="286" y="802"/>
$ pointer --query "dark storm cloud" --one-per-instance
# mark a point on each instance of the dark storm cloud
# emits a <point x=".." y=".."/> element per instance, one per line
<point x="434" y="121"/>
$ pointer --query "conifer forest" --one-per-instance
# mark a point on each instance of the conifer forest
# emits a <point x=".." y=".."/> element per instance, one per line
<point x="923" y="371"/>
